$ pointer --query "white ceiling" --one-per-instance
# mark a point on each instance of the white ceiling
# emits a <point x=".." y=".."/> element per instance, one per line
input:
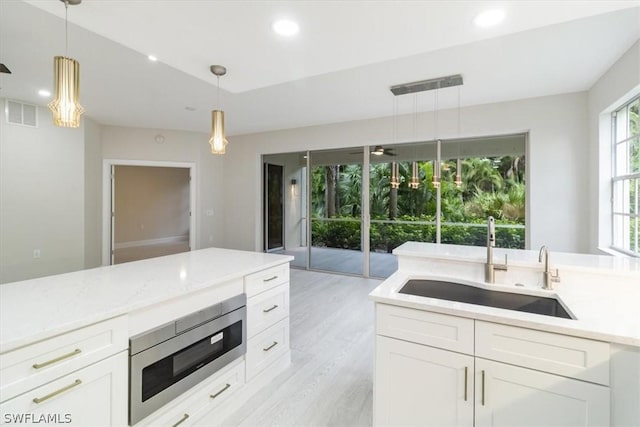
<point x="338" y="68"/>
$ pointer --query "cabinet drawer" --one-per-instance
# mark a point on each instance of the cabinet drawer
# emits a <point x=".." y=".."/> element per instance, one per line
<point x="194" y="405"/>
<point x="92" y="396"/>
<point x="574" y="357"/>
<point x="256" y="283"/>
<point x="424" y="327"/>
<point x="266" y="347"/>
<point x="267" y="308"/>
<point x="28" y="367"/>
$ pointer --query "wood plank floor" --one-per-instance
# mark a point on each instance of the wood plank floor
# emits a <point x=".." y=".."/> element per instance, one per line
<point x="329" y="382"/>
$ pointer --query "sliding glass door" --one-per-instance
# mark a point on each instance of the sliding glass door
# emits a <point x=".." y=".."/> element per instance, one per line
<point x="336" y="211"/>
<point x="402" y="202"/>
<point x="345" y="210"/>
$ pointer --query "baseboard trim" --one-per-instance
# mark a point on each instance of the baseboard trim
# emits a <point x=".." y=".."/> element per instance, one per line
<point x="150" y="242"/>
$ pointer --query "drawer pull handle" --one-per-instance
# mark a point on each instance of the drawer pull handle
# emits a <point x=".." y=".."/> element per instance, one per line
<point x="57" y="392"/>
<point x="482" y="388"/>
<point x="466" y="380"/>
<point x="183" y="419"/>
<point x="275" y="343"/>
<point x="225" y="388"/>
<point x="270" y="279"/>
<point x="57" y="359"/>
<point x="270" y="309"/>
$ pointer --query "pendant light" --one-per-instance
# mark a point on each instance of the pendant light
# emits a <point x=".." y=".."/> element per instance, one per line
<point x="66" y="106"/>
<point x="395" y="175"/>
<point x="458" y="180"/>
<point x="437" y="162"/>
<point x="414" y="183"/>
<point x="218" y="139"/>
<point x="415" y="180"/>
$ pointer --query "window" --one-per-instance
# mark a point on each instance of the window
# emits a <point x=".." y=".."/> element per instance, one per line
<point x="626" y="178"/>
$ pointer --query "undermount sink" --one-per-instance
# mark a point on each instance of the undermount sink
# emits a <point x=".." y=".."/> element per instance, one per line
<point x="459" y="292"/>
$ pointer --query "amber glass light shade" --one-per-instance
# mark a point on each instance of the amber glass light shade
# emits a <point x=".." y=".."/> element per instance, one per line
<point x="218" y="140"/>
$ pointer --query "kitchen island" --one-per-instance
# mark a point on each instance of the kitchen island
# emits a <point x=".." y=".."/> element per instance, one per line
<point x="64" y="339"/>
<point x="443" y="362"/>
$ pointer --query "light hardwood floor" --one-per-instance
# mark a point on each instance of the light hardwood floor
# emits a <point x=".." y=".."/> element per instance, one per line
<point x="329" y="382"/>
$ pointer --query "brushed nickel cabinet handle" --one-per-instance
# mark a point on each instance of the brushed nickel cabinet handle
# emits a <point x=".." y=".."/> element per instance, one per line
<point x="482" y="388"/>
<point x="466" y="380"/>
<point x="183" y="419"/>
<point x="270" y="279"/>
<point x="225" y="388"/>
<point x="270" y="309"/>
<point x="57" y="392"/>
<point x="57" y="359"/>
<point x="275" y="343"/>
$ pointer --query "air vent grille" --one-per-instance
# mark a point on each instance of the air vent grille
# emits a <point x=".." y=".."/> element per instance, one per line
<point x="19" y="113"/>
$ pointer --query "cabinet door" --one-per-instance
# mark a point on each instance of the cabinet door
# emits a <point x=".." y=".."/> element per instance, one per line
<point x="92" y="396"/>
<point x="420" y="385"/>
<point x="511" y="396"/>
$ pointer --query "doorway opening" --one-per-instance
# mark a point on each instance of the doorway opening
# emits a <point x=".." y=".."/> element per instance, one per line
<point x="273" y="207"/>
<point x="148" y="210"/>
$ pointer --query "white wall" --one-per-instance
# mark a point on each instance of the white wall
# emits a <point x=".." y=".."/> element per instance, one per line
<point x="558" y="152"/>
<point x="51" y="190"/>
<point x="613" y="88"/>
<point x="41" y="199"/>
<point x="151" y="203"/>
<point x="92" y="194"/>
<point x="178" y="146"/>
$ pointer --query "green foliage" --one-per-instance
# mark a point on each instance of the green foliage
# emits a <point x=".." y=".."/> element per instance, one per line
<point x="336" y="234"/>
<point x="389" y="235"/>
<point x="490" y="186"/>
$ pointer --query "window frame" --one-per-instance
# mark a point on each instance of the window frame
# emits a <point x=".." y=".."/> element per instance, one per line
<point x="619" y="178"/>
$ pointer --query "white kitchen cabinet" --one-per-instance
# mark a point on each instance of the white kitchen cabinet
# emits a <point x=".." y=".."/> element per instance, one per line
<point x="92" y="396"/>
<point x="198" y="405"/>
<point x="420" y="385"/>
<point x="268" y="322"/>
<point x="511" y="396"/>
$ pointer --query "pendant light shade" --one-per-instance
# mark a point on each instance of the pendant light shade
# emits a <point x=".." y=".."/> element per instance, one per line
<point x="218" y="140"/>
<point x="395" y="175"/>
<point x="66" y="106"/>
<point x="415" y="180"/>
<point x="458" y="180"/>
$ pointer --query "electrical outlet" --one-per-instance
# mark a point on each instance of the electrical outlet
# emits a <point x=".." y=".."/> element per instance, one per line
<point x="36" y="253"/>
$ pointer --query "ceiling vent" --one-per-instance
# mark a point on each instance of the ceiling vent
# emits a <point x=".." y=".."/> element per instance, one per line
<point x="19" y="113"/>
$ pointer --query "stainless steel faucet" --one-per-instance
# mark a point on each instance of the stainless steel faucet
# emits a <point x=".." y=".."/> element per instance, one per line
<point x="490" y="268"/>
<point x="548" y="278"/>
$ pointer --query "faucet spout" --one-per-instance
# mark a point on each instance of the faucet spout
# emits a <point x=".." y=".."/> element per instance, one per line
<point x="548" y="278"/>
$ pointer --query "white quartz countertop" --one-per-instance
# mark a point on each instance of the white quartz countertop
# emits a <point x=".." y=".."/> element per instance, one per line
<point x="606" y="305"/>
<point x="521" y="258"/>
<point x="36" y="309"/>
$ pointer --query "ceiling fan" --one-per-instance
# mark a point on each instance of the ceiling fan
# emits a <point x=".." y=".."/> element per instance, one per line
<point x="378" y="150"/>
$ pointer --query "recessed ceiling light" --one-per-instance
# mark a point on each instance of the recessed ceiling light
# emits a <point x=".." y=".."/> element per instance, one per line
<point x="152" y="58"/>
<point x="285" y="27"/>
<point x="44" y="93"/>
<point x="489" y="18"/>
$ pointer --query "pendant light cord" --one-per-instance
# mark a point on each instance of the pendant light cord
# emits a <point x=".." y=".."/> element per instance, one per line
<point x="219" y="107"/>
<point x="66" y="28"/>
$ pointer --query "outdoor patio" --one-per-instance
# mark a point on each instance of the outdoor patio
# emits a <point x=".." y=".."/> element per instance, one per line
<point x="343" y="261"/>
